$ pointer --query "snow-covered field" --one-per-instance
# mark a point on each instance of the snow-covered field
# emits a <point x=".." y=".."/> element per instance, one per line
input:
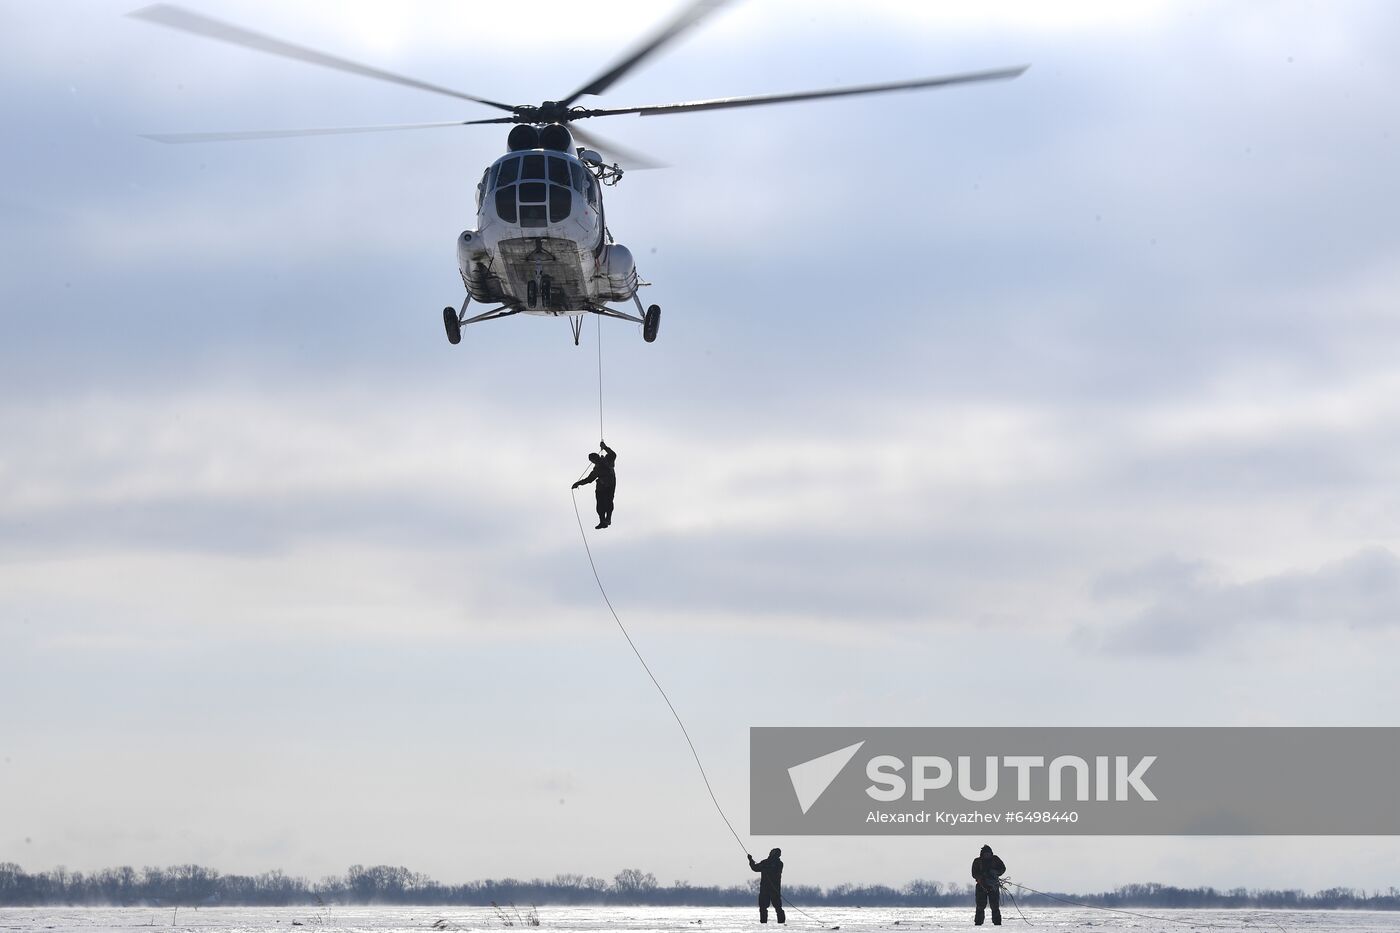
<point x="642" y="919"/>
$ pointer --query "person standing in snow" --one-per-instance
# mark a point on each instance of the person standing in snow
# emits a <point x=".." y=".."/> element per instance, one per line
<point x="987" y="870"/>
<point x="770" y="885"/>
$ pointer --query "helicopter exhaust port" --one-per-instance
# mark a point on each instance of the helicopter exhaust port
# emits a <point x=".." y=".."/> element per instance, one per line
<point x="523" y="136"/>
<point x="556" y="138"/>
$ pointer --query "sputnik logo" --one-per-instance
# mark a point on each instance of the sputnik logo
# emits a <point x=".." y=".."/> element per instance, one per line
<point x="810" y="779"/>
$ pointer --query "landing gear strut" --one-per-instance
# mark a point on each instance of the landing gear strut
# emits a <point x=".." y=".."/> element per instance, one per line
<point x="453" y="320"/>
<point x="650" y="318"/>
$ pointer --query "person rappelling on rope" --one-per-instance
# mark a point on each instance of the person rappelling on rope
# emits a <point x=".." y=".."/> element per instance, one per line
<point x="770" y="885"/>
<point x="987" y="870"/>
<point x="605" y="475"/>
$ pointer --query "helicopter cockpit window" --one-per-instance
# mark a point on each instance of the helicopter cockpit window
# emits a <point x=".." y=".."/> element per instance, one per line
<point x="559" y="171"/>
<point x="559" y="203"/>
<point x="508" y="172"/>
<point x="534" y="167"/>
<point x="532" y="203"/>
<point x="505" y="203"/>
<point x="576" y="174"/>
<point x="592" y="190"/>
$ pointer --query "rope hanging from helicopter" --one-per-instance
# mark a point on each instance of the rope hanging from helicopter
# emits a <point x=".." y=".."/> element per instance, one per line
<point x="783" y="900"/>
<point x="607" y="601"/>
<point x="601" y="435"/>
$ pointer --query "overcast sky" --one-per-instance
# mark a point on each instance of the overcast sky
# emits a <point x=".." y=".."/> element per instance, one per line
<point x="1064" y="401"/>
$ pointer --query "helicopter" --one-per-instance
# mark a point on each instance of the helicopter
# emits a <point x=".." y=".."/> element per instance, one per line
<point x="541" y="244"/>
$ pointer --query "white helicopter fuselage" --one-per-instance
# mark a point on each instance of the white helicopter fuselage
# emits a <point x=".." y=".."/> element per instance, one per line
<point x="539" y="246"/>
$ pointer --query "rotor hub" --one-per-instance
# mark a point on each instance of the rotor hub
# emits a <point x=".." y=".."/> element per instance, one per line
<point x="551" y="111"/>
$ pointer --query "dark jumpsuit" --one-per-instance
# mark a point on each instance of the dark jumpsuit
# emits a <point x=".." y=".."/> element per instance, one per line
<point x="605" y="475"/>
<point x="987" y="871"/>
<point x="770" y="887"/>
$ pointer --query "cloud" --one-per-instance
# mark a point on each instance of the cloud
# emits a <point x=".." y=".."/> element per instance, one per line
<point x="314" y="505"/>
<point x="1190" y="608"/>
<point x="934" y="369"/>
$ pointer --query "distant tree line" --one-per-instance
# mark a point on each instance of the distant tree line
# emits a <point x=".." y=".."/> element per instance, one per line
<point x="196" y="886"/>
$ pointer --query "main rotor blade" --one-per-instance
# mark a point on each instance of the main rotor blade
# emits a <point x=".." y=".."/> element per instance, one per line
<point x="239" y="135"/>
<point x="188" y="21"/>
<point x="688" y="16"/>
<point x="624" y="158"/>
<point x="724" y="102"/>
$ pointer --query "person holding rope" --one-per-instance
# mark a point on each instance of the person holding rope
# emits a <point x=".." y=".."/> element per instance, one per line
<point x="987" y="870"/>
<point x="605" y="475"/>
<point x="770" y="885"/>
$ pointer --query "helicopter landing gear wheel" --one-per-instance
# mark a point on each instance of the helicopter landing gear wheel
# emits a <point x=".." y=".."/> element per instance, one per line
<point x="651" y="323"/>
<point x="453" y="325"/>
